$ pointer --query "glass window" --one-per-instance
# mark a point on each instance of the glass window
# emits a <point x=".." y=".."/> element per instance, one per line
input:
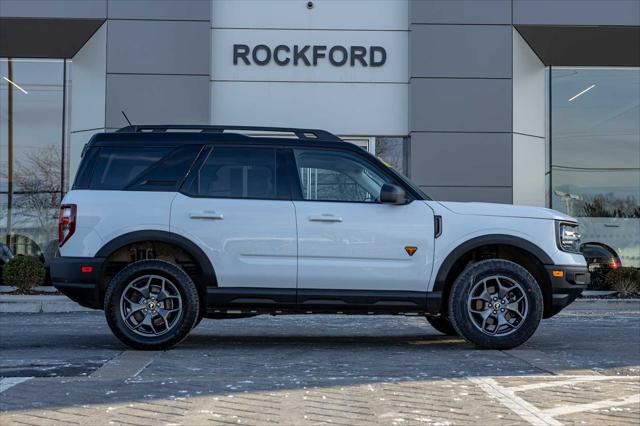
<point x="32" y="163"/>
<point x="337" y="176"/>
<point x="167" y="174"/>
<point x="236" y="173"/>
<point x="595" y="154"/>
<point x="114" y="168"/>
<point x="392" y="151"/>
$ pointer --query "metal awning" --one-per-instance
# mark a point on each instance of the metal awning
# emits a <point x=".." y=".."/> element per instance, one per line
<point x="584" y="45"/>
<point x="45" y="38"/>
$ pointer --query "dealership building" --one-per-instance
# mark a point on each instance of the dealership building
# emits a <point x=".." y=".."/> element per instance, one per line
<point x="533" y="102"/>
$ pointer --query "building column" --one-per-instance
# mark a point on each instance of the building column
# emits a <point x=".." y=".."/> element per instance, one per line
<point x="88" y="95"/>
<point x="529" y="125"/>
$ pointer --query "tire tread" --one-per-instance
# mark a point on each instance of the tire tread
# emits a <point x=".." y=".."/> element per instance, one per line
<point x="173" y="337"/>
<point x="468" y="331"/>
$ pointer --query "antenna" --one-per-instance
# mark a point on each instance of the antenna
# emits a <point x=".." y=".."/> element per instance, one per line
<point x="125" y="117"/>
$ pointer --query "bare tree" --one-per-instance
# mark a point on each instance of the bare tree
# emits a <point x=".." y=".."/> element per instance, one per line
<point x="608" y="205"/>
<point x="37" y="187"/>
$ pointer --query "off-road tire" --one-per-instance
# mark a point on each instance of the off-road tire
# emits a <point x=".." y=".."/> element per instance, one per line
<point x="188" y="316"/>
<point x="461" y="317"/>
<point x="442" y="324"/>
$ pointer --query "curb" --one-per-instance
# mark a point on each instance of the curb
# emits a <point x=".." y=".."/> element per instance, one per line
<point x="39" y="304"/>
<point x="41" y="288"/>
<point x="596" y="293"/>
<point x="626" y="305"/>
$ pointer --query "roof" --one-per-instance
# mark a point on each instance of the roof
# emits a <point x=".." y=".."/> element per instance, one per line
<point x="174" y="135"/>
<point x="300" y="133"/>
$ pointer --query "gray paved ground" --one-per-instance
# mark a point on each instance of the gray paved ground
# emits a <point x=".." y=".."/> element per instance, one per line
<point x="580" y="368"/>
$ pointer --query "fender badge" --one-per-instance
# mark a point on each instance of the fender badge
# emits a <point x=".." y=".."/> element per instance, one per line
<point x="411" y="250"/>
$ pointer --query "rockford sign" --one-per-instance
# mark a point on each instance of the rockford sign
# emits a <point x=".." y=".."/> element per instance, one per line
<point x="309" y="55"/>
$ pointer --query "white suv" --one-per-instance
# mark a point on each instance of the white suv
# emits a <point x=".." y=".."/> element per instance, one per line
<point x="166" y="225"/>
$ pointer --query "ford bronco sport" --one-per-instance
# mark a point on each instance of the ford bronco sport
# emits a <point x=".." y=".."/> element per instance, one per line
<point x="166" y="225"/>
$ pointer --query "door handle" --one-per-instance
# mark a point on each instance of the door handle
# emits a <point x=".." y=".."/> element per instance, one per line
<point x="325" y="218"/>
<point x="206" y="214"/>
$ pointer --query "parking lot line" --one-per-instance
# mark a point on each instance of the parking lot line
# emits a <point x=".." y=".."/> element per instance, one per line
<point x="598" y="405"/>
<point x="508" y="398"/>
<point x="10" y="382"/>
<point x="126" y="365"/>
<point x="570" y="381"/>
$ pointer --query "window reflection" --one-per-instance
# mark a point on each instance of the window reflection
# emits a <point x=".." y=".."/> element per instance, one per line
<point x="31" y="154"/>
<point x="391" y="150"/>
<point x="595" y="158"/>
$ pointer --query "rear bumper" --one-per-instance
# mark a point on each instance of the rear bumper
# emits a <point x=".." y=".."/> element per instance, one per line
<point x="77" y="278"/>
<point x="567" y="283"/>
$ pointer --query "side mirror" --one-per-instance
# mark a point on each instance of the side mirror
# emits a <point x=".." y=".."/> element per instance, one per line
<point x="392" y="194"/>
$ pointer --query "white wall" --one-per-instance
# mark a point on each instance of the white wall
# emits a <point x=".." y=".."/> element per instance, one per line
<point x="347" y="100"/>
<point x="326" y="14"/>
<point x="88" y="95"/>
<point x="529" y="153"/>
<point x="394" y="70"/>
<point x="528" y="89"/>
<point x="528" y="170"/>
<point x="88" y="84"/>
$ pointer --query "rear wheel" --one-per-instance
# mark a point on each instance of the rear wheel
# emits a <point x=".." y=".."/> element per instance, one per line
<point x="496" y="304"/>
<point x="442" y="324"/>
<point x="151" y="305"/>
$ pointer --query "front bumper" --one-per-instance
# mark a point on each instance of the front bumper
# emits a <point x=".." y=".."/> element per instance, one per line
<point x="567" y="283"/>
<point x="77" y="278"/>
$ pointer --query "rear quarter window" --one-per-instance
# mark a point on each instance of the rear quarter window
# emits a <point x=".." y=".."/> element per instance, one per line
<point x="116" y="167"/>
<point x="168" y="173"/>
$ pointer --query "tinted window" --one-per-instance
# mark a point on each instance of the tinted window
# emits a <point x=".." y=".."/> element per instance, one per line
<point x="236" y="173"/>
<point x="338" y="176"/>
<point x="168" y="173"/>
<point x="117" y="167"/>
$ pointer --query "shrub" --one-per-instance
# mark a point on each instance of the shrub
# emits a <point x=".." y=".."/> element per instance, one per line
<point x="624" y="280"/>
<point x="23" y="272"/>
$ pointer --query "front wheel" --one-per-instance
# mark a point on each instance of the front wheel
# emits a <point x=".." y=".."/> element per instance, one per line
<point x="495" y="304"/>
<point x="151" y="305"/>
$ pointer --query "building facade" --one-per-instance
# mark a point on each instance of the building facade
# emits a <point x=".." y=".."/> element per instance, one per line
<point x="531" y="102"/>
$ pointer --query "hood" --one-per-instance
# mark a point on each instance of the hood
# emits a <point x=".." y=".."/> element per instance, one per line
<point x="505" y="210"/>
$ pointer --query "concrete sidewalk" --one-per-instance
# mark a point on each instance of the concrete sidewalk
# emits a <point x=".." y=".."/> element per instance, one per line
<point x="51" y="304"/>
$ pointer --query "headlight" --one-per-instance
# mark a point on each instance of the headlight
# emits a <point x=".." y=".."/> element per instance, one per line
<point x="568" y="237"/>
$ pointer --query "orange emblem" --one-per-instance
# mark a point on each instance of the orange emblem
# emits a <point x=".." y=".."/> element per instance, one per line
<point x="411" y="250"/>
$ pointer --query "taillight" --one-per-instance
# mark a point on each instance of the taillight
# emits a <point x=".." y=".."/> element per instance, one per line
<point x="615" y="264"/>
<point x="66" y="223"/>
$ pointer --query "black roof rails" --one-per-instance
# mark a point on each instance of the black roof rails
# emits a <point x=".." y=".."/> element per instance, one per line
<point x="303" y="134"/>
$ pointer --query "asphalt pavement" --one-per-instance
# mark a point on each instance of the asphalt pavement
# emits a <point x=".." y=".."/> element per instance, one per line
<point x="581" y="367"/>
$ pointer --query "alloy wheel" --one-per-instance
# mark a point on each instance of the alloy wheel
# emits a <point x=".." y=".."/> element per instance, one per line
<point x="497" y="305"/>
<point x="151" y="305"/>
